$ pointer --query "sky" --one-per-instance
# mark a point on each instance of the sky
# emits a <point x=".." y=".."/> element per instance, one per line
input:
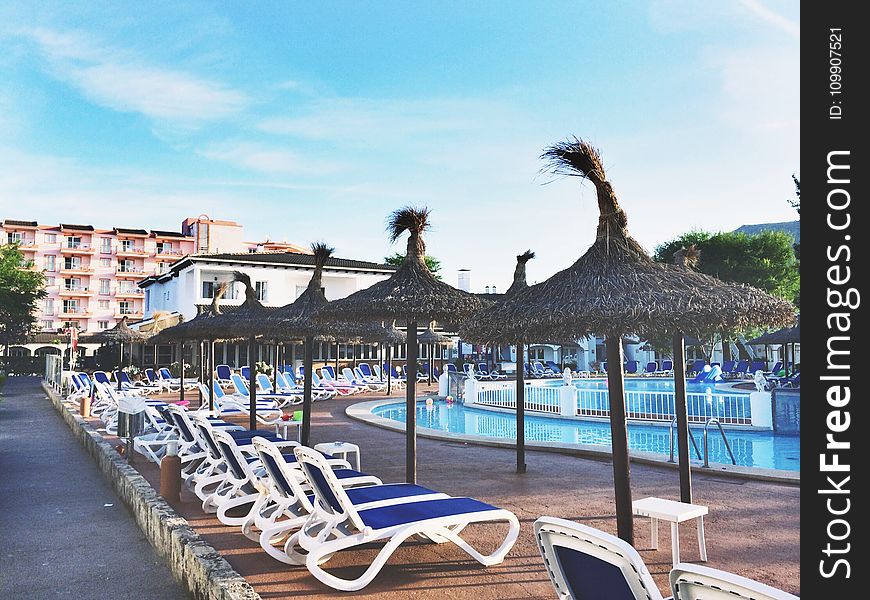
<point x="309" y="121"/>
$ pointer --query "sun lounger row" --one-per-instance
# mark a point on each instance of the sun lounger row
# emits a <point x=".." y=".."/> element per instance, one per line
<point x="303" y="506"/>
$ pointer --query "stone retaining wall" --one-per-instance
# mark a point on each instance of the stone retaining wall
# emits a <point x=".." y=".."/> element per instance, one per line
<point x="193" y="562"/>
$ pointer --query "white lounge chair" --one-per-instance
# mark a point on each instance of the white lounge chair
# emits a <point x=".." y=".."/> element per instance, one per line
<point x="336" y="524"/>
<point x="695" y="582"/>
<point x="268" y="412"/>
<point x="584" y="562"/>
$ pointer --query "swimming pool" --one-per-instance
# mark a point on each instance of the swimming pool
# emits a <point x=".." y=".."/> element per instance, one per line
<point x="761" y="449"/>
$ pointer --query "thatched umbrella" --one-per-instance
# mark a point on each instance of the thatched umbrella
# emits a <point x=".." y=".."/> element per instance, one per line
<point x="121" y="334"/>
<point x="783" y="337"/>
<point x="411" y="294"/>
<point x="430" y="338"/>
<point x="477" y="329"/>
<point x="244" y="322"/>
<point x="199" y="328"/>
<point x="294" y="321"/>
<point x="616" y="289"/>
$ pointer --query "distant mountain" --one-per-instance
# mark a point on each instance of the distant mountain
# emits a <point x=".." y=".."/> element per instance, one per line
<point x="793" y="228"/>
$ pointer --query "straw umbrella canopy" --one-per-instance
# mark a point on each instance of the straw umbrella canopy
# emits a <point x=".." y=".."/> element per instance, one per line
<point x="783" y="337"/>
<point x="430" y="338"/>
<point x="475" y="329"/>
<point x="244" y="322"/>
<point x="412" y="294"/>
<point x="616" y="289"/>
<point x="121" y="334"/>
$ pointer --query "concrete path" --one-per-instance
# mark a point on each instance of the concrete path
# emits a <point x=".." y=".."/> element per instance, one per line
<point x="63" y="531"/>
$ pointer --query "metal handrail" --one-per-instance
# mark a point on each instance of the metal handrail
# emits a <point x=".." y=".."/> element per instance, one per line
<point x="724" y="439"/>
<point x="691" y="437"/>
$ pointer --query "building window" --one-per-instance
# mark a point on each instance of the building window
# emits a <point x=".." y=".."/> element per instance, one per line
<point x="72" y="262"/>
<point x="49" y="281"/>
<point x="48" y="263"/>
<point x="48" y="306"/>
<point x="71" y="306"/>
<point x="104" y="286"/>
<point x="50" y="238"/>
<point x="261" y="287"/>
<point x="74" y="241"/>
<point x="164" y="247"/>
<point x="125" y="245"/>
<point x="14" y="237"/>
<point x="103" y="324"/>
<point x="106" y="245"/>
<point x="208" y="288"/>
<point x="73" y="284"/>
<point x="103" y="304"/>
<point x="126" y="266"/>
<point x="124" y="307"/>
<point x="47" y="324"/>
<point x="147" y="300"/>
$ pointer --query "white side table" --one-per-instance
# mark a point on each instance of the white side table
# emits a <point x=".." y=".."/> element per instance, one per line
<point x="282" y="428"/>
<point x="675" y="513"/>
<point x="340" y="448"/>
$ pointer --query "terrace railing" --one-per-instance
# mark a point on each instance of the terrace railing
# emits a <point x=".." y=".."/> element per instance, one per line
<point x="652" y="406"/>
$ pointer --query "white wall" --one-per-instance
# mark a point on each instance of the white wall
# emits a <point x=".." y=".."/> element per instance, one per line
<point x="283" y="285"/>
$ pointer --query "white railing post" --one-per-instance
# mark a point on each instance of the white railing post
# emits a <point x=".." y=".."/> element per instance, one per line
<point x="471" y="390"/>
<point x="761" y="409"/>
<point x="568" y="401"/>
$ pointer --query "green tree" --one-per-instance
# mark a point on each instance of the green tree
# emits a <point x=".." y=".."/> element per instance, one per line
<point x="433" y="263"/>
<point x="20" y="289"/>
<point x="765" y="260"/>
<point x="796" y="204"/>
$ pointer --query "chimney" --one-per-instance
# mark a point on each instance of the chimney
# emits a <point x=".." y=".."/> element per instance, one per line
<point x="465" y="280"/>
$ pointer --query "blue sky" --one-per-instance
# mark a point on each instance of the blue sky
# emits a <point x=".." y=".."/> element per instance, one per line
<point x="307" y="121"/>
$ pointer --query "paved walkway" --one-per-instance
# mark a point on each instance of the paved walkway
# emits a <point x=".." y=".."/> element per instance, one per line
<point x="63" y="531"/>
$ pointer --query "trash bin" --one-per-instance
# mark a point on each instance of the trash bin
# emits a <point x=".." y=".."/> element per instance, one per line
<point x="131" y="416"/>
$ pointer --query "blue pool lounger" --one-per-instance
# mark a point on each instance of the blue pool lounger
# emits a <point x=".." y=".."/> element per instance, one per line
<point x="337" y="525"/>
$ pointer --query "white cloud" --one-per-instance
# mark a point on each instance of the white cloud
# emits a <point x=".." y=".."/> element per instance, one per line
<point x="777" y="20"/>
<point x="115" y="79"/>
<point x="268" y="160"/>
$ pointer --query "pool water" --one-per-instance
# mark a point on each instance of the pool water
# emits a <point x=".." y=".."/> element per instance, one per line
<point x="761" y="449"/>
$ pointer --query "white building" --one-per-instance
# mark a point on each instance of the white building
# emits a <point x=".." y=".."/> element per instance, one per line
<point x="279" y="279"/>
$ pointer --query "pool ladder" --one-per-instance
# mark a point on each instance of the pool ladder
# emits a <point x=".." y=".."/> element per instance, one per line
<point x="706" y="457"/>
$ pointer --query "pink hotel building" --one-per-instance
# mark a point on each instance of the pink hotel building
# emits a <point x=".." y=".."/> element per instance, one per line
<point x="91" y="273"/>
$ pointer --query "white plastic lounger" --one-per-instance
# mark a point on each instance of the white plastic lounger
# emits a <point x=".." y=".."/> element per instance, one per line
<point x="584" y="562"/>
<point x="336" y="524"/>
<point x="695" y="582"/>
<point x="288" y="504"/>
<point x="264" y="387"/>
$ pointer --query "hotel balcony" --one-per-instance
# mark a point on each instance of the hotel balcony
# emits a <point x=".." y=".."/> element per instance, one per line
<point x="131" y="251"/>
<point x="76" y="249"/>
<point x="169" y="253"/>
<point x="76" y="269"/>
<point x="130" y="313"/>
<point x="75" y="291"/>
<point x="135" y="272"/>
<point x="27" y="245"/>
<point x="129" y="293"/>
<point x="80" y="312"/>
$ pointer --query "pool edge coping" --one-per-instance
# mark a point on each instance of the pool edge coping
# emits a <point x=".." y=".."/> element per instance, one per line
<point x="362" y="411"/>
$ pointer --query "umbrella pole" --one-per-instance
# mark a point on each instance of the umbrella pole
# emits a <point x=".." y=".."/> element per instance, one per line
<point x="252" y="386"/>
<point x="181" y="374"/>
<point x="521" y="408"/>
<point x="619" y="435"/>
<point x="411" y="405"/>
<point x="680" y="408"/>
<point x="336" y="360"/>
<point x="784" y="359"/>
<point x="306" y="389"/>
<point x="389" y="369"/>
<point x="210" y="375"/>
<point x="120" y="363"/>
